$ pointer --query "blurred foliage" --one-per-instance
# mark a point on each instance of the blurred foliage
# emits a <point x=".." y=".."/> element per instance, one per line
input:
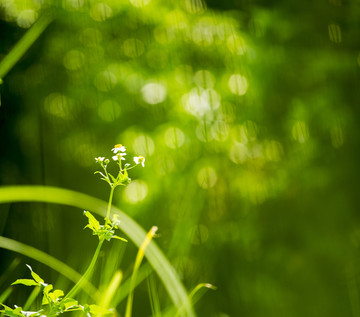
<point x="246" y="112"/>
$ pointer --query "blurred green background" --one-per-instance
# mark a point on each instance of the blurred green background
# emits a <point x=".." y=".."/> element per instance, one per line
<point x="247" y="113"/>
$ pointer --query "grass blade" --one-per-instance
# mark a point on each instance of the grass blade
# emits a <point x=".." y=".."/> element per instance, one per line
<point x="24" y="44"/>
<point x="139" y="257"/>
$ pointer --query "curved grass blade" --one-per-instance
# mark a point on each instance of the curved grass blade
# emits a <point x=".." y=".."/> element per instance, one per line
<point x="71" y="198"/>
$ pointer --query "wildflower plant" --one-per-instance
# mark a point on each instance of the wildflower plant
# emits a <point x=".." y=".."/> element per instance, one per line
<point x="54" y="301"/>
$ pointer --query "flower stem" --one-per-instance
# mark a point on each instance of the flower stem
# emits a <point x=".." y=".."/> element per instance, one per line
<point x="87" y="274"/>
<point x="110" y="202"/>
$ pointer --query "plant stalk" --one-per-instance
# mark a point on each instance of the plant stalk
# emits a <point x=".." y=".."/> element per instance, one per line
<point x="110" y="202"/>
<point x="87" y="274"/>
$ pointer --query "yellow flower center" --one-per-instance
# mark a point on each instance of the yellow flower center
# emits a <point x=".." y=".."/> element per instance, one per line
<point x="118" y="145"/>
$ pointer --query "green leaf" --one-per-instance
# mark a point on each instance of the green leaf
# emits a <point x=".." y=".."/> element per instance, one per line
<point x="69" y="303"/>
<point x="112" y="178"/>
<point x="93" y="223"/>
<point x="98" y="172"/>
<point x="46" y="298"/>
<point x="96" y="310"/>
<point x="26" y="282"/>
<point x="119" y="238"/>
<point x="55" y="295"/>
<point x="36" y="277"/>
<point x="12" y="312"/>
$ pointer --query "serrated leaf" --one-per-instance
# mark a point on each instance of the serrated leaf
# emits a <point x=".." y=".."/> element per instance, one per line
<point x="69" y="303"/>
<point x="26" y="282"/>
<point x="35" y="276"/>
<point x="119" y="238"/>
<point x="56" y="294"/>
<point x="93" y="223"/>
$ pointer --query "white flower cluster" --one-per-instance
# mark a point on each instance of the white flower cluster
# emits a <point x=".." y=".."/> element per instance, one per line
<point x="119" y="155"/>
<point x="119" y="151"/>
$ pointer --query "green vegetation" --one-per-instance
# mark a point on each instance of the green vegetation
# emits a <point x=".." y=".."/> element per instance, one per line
<point x="241" y="118"/>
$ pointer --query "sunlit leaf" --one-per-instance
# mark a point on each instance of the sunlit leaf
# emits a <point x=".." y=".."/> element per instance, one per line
<point x="26" y="282"/>
<point x="93" y="223"/>
<point x="119" y="238"/>
<point x="35" y="276"/>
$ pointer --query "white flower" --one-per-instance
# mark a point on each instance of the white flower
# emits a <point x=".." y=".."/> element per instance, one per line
<point x="99" y="159"/>
<point x="140" y="159"/>
<point x="116" y="157"/>
<point x="119" y="148"/>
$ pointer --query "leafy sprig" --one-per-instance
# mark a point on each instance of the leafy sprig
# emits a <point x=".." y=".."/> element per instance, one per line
<point x="53" y="301"/>
<point x="105" y="231"/>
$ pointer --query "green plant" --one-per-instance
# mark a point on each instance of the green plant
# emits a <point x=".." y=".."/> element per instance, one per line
<point x="55" y="301"/>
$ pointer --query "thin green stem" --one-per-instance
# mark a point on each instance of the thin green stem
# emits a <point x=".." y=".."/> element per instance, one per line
<point x="87" y="274"/>
<point x="110" y="202"/>
<point x="131" y="167"/>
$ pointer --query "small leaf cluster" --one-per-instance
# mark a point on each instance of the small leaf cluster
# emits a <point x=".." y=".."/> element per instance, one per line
<point x="106" y="231"/>
<point x="53" y="299"/>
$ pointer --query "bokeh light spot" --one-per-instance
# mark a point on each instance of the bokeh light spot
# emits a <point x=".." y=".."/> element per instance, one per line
<point x="139" y="3"/>
<point x="204" y="79"/>
<point x="133" y="48"/>
<point x="74" y="60"/>
<point x="236" y="44"/>
<point x="238" y="84"/>
<point x="239" y="153"/>
<point x="136" y="192"/>
<point x="144" y="145"/>
<point x="334" y="33"/>
<point x="273" y="150"/>
<point x="174" y="137"/>
<point x="58" y="105"/>
<point x="73" y="4"/>
<point x="207" y="177"/>
<point x="105" y="81"/>
<point x="300" y="131"/>
<point x="220" y="131"/>
<point x="153" y="93"/>
<point x="109" y="110"/>
<point x="199" y="101"/>
<point x="26" y="18"/>
<point x="194" y="6"/>
<point x="337" y="136"/>
<point x="101" y="12"/>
